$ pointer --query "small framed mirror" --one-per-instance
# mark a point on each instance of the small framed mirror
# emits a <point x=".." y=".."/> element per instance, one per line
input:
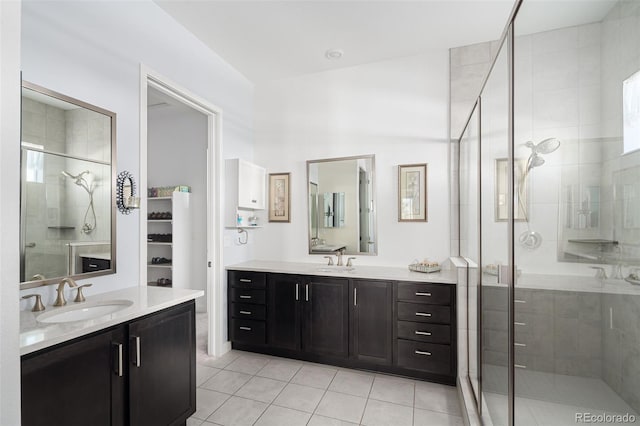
<point x="341" y="208"/>
<point x="67" y="203"/>
<point x="126" y="193"/>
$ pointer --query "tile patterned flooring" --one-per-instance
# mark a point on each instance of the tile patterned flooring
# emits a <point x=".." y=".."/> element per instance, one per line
<point x="242" y="388"/>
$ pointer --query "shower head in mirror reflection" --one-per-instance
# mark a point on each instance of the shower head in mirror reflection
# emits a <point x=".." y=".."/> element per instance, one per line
<point x="88" y="184"/>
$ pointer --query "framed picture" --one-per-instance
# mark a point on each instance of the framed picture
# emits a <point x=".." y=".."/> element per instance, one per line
<point x="520" y="191"/>
<point x="279" y="197"/>
<point x="412" y="193"/>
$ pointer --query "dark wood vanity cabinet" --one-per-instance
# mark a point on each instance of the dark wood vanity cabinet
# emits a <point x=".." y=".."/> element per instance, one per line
<point x="396" y="327"/>
<point x="76" y="383"/>
<point x="310" y="314"/>
<point x="372" y="321"/>
<point x="138" y="373"/>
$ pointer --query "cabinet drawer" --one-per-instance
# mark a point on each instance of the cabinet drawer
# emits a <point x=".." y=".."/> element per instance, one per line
<point x="424" y="332"/>
<point x="425" y="293"/>
<point x="424" y="356"/>
<point x="242" y="295"/>
<point x="424" y="313"/>
<point x="247" y="279"/>
<point x="90" y="264"/>
<point x="246" y="311"/>
<point x="248" y="331"/>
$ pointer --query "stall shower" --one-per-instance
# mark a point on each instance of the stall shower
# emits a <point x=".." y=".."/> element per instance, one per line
<point x="547" y="164"/>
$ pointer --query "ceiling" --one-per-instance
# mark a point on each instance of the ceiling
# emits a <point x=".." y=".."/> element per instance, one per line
<point x="267" y="40"/>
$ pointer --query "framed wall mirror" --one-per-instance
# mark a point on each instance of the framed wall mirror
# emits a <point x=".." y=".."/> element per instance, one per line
<point x="341" y="208"/>
<point x="67" y="203"/>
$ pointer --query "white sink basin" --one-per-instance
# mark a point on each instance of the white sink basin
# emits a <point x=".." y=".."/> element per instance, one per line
<point x="337" y="269"/>
<point x="83" y="311"/>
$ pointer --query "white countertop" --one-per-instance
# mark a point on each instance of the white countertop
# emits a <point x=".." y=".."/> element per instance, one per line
<point x="446" y="276"/>
<point x="146" y="300"/>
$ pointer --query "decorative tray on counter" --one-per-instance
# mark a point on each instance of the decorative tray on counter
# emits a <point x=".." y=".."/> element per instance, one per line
<point x="420" y="267"/>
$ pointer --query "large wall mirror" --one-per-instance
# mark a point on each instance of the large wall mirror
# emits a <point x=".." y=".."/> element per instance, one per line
<point x="342" y="213"/>
<point x="67" y="207"/>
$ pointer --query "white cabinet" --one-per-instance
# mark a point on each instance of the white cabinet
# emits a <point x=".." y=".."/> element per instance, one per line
<point x="245" y="187"/>
<point x="168" y="233"/>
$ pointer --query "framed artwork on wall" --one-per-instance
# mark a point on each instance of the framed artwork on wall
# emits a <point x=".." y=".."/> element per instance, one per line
<point x="412" y="193"/>
<point x="279" y="197"/>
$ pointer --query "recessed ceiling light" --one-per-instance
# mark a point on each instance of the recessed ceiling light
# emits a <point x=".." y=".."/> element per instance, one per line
<point x="332" y="54"/>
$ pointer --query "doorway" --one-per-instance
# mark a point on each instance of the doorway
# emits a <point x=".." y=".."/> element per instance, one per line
<point x="180" y="146"/>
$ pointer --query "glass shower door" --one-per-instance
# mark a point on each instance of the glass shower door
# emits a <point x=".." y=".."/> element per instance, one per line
<point x="495" y="197"/>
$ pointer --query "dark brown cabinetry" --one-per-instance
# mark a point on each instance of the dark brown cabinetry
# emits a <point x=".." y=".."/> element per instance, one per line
<point x="309" y="314"/>
<point x="397" y="327"/>
<point x="425" y="328"/>
<point x="372" y="321"/>
<point x="137" y="373"/>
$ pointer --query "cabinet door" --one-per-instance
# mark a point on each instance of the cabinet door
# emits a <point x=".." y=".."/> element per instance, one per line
<point x="251" y="186"/>
<point x="162" y="367"/>
<point x="372" y="321"/>
<point x="283" y="311"/>
<point x="326" y="316"/>
<point x="76" y="383"/>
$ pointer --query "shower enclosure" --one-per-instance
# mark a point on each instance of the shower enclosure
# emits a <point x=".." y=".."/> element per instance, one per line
<point x="548" y="172"/>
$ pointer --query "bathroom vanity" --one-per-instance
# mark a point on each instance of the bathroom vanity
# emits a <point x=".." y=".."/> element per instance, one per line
<point x="135" y="366"/>
<point x="375" y="318"/>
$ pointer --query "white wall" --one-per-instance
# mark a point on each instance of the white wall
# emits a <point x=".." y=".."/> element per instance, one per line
<point x="180" y="132"/>
<point x="93" y="50"/>
<point x="395" y="109"/>
<point x="9" y="212"/>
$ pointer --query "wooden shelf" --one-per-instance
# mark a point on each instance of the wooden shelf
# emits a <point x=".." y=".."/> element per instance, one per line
<point x="160" y="265"/>
<point x="159" y="220"/>
<point x="154" y="243"/>
<point x="158" y="198"/>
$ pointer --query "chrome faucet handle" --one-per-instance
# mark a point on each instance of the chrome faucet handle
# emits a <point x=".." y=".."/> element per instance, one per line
<point x="349" y="261"/>
<point x="38" y="306"/>
<point x="339" y="253"/>
<point x="79" y="296"/>
<point x="60" y="300"/>
<point x="330" y="260"/>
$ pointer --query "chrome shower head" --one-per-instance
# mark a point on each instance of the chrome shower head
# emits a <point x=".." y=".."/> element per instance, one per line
<point x="77" y="178"/>
<point x="546" y="146"/>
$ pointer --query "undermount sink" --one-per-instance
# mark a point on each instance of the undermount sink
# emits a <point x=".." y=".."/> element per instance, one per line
<point x="336" y="269"/>
<point x="83" y="311"/>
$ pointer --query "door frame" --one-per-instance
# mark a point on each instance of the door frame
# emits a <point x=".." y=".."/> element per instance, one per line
<point x="215" y="309"/>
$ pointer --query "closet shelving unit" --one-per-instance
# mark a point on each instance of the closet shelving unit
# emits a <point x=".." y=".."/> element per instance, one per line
<point x="178" y="250"/>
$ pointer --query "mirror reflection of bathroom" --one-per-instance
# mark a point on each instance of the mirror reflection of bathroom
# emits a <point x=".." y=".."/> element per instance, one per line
<point x="66" y="188"/>
<point x="341" y="212"/>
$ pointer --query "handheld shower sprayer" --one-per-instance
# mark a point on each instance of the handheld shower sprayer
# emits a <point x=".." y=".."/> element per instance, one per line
<point x="87" y="185"/>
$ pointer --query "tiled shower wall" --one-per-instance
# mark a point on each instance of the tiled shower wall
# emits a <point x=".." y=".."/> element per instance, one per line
<point x="56" y="201"/>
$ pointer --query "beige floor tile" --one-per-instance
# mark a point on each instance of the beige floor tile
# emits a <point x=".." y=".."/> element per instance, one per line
<point x="433" y="418"/>
<point x="341" y="406"/>
<point x="247" y="364"/>
<point x="238" y="411"/>
<point x="352" y="383"/>
<point x="437" y="397"/>
<point x="380" y="413"/>
<point x="261" y="389"/>
<point x="317" y="420"/>
<point x="298" y="397"/>
<point x="392" y="389"/>
<point x="227" y="381"/>
<point x="281" y="416"/>
<point x="279" y="369"/>
<point x="208" y="401"/>
<point x="204" y="373"/>
<point x="316" y="377"/>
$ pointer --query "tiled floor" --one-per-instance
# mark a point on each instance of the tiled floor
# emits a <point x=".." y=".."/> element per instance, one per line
<point x="242" y="388"/>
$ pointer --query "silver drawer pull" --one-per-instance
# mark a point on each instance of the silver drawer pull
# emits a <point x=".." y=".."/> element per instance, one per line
<point x="423" y="353"/>
<point x="523" y="345"/>
<point x="519" y="366"/>
<point x="423" y="314"/>
<point x="520" y="301"/>
<point x="93" y="265"/>
<point x="245" y="297"/>
<point x="520" y="323"/>
<point x="245" y="280"/>
<point x="423" y="333"/>
<point x="245" y="312"/>
<point x="245" y="328"/>
<point x="423" y="294"/>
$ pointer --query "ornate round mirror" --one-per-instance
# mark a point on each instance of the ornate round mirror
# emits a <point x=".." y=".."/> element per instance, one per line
<point x="126" y="199"/>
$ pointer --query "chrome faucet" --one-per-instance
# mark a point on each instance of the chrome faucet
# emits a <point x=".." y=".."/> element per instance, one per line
<point x="60" y="300"/>
<point x="349" y="261"/>
<point x="339" y="253"/>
